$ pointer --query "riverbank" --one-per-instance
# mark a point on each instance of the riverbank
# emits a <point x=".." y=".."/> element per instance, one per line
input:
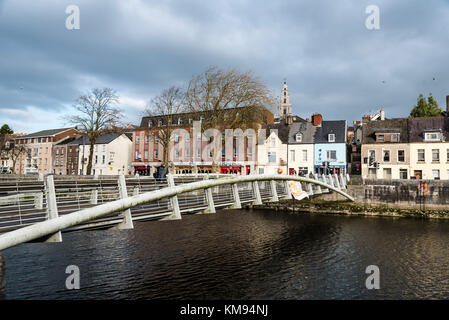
<point x="317" y="205"/>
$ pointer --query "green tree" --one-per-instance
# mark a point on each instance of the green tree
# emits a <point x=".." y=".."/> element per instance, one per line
<point x="425" y="108"/>
<point x="5" y="129"/>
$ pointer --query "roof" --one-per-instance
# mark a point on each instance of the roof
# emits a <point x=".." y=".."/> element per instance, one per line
<point x="103" y="139"/>
<point x="396" y="125"/>
<point x="45" y="133"/>
<point x="425" y="124"/>
<point x="337" y="127"/>
<point x="307" y="129"/>
<point x="282" y="130"/>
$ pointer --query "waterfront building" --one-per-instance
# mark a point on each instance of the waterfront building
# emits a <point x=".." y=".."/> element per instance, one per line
<point x="429" y="148"/>
<point x="329" y="146"/>
<point x="300" y="148"/>
<point x="39" y="145"/>
<point x="62" y="157"/>
<point x="191" y="152"/>
<point x="112" y="154"/>
<point x="385" y="149"/>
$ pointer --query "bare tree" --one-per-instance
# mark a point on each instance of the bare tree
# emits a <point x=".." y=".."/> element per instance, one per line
<point x="228" y="99"/>
<point x="96" y="116"/>
<point x="164" y="107"/>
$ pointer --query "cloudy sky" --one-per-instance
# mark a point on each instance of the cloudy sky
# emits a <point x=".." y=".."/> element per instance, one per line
<point x="333" y="64"/>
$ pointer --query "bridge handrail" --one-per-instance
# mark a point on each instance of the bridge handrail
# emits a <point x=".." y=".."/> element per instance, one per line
<point x="52" y="226"/>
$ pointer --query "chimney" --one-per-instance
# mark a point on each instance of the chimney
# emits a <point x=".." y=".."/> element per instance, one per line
<point x="316" y="119"/>
<point x="382" y="114"/>
<point x="447" y="105"/>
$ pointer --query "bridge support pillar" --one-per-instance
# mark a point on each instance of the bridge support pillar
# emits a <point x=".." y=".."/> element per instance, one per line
<point x="256" y="190"/>
<point x="318" y="187"/>
<point x="136" y="191"/>
<point x="331" y="180"/>
<point x="337" y="183"/>
<point x="287" y="190"/>
<point x="52" y="207"/>
<point x="176" y="215"/>
<point x="127" y="222"/>
<point x="310" y="187"/>
<point x="274" y="192"/>
<point x="236" y="196"/>
<point x="342" y="181"/>
<point x="322" y="178"/>
<point x="209" y="199"/>
<point x="2" y="278"/>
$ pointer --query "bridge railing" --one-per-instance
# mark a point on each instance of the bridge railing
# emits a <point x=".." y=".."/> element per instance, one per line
<point x="28" y="202"/>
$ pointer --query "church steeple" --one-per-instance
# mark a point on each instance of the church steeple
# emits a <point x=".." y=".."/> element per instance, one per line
<point x="285" y="108"/>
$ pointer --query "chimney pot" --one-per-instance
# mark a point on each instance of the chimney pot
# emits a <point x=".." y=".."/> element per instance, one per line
<point x="317" y="119"/>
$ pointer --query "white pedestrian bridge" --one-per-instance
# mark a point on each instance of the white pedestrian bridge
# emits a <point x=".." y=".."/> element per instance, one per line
<point x="41" y="209"/>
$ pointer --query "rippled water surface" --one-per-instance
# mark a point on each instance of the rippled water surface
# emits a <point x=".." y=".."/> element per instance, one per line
<point x="240" y="255"/>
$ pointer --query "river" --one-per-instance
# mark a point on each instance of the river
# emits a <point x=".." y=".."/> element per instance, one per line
<point x="240" y="255"/>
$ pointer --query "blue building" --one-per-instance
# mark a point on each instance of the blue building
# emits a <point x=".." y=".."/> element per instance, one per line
<point x="330" y="146"/>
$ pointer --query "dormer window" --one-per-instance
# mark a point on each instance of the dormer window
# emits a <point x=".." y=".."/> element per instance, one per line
<point x="395" y="137"/>
<point x="380" y="137"/>
<point x="150" y="123"/>
<point x="331" y="137"/>
<point x="432" y="136"/>
<point x="298" y="137"/>
<point x="179" y="121"/>
<point x="159" y="123"/>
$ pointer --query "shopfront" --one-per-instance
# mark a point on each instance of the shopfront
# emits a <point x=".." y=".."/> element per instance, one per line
<point x="231" y="169"/>
<point x="142" y="170"/>
<point x="183" y="169"/>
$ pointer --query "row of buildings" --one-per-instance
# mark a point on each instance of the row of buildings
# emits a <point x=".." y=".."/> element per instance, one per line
<point x="375" y="147"/>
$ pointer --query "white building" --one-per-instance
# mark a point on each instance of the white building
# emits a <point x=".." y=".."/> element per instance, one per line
<point x="112" y="154"/>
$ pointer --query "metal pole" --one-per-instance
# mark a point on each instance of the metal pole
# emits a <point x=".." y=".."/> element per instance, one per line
<point x="209" y="199"/>
<point x="173" y="200"/>
<point x="52" y="207"/>
<point x="127" y="222"/>
<point x="274" y="192"/>
<point x="235" y="192"/>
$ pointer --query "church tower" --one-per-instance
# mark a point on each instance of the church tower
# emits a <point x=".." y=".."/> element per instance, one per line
<point x="285" y="108"/>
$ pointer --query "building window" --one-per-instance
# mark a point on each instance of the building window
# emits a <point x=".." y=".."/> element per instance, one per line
<point x="435" y="155"/>
<point x="386" y="155"/>
<point x="156" y="154"/>
<point x="198" y="153"/>
<point x="447" y="154"/>
<point x="146" y="154"/>
<point x="150" y="123"/>
<point x="436" y="174"/>
<point x="272" y="157"/>
<point x="103" y="159"/>
<point x="137" y="139"/>
<point x="292" y="155"/>
<point x="402" y="173"/>
<point x="304" y="155"/>
<point x="176" y="137"/>
<point x="401" y="156"/>
<point x="176" y="153"/>
<point x="421" y="155"/>
<point x="198" y="137"/>
<point x="395" y="137"/>
<point x="331" y="155"/>
<point x="298" y="137"/>
<point x="261" y="171"/>
<point x="96" y="159"/>
<point x="331" y="137"/>
<point x="273" y="141"/>
<point x="159" y="123"/>
<point x="432" y="136"/>
<point x="380" y="137"/>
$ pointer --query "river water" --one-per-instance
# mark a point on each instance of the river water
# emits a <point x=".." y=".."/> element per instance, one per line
<point x="240" y="255"/>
